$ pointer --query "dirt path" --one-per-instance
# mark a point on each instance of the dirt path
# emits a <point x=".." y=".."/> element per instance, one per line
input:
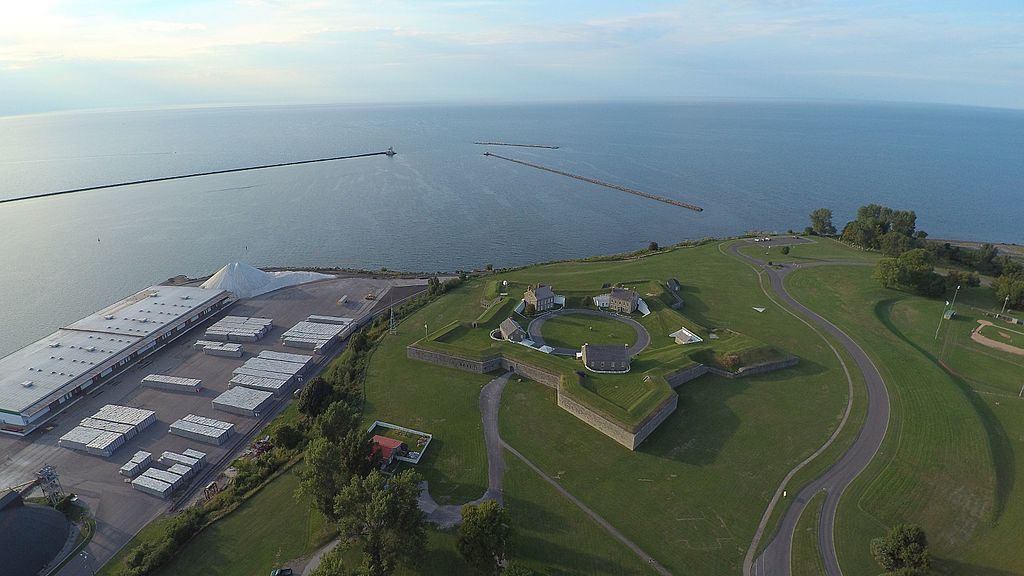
<point x="986" y="341"/>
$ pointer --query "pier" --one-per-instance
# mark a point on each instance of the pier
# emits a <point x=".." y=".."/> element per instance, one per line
<point x="389" y="152"/>
<point x="547" y="146"/>
<point x="647" y="195"/>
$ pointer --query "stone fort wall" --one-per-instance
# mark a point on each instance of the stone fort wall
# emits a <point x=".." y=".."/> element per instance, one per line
<point x="614" y="430"/>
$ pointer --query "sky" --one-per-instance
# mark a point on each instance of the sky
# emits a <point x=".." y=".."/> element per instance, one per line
<point x="84" y="54"/>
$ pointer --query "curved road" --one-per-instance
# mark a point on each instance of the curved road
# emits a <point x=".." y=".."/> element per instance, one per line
<point x="776" y="557"/>
<point x="641" y="342"/>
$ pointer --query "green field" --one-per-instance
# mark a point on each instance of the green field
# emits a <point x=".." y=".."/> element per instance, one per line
<point x="807" y="559"/>
<point x="821" y="249"/>
<point x="948" y="460"/>
<point x="267" y="530"/>
<point x="574" y="330"/>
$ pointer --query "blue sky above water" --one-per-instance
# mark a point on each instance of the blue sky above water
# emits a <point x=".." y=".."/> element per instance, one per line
<point x="58" y="55"/>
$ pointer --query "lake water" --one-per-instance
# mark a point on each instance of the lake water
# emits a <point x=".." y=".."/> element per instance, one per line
<point x="441" y="205"/>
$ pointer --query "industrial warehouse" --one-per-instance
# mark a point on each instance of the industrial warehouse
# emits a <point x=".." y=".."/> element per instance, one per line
<point x="40" y="380"/>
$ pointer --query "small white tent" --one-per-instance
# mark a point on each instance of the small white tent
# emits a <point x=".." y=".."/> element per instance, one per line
<point x="245" y="281"/>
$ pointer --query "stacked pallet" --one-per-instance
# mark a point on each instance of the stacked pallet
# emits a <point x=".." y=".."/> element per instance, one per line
<point x="201" y="429"/>
<point x="330" y="320"/>
<point x="173" y="383"/>
<point x="140" y="460"/>
<point x="272" y="372"/>
<point x="199" y="456"/>
<point x="244" y="401"/>
<point x="152" y="486"/>
<point x="107" y="430"/>
<point x="311" y="335"/>
<point x="239" y="329"/>
<point x="172" y="458"/>
<point x="95" y="423"/>
<point x="136" y="417"/>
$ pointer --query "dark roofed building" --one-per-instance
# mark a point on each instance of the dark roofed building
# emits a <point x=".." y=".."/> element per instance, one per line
<point x="33" y="535"/>
<point x="606" y="358"/>
<point x="623" y="300"/>
<point x="511" y="331"/>
<point x="541" y="297"/>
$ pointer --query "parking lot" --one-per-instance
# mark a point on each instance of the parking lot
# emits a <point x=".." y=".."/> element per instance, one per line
<point x="120" y="510"/>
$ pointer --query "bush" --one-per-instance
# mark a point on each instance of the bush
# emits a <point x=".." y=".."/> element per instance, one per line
<point x="287" y="436"/>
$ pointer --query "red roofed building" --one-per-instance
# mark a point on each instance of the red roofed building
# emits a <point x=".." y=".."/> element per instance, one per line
<point x="388" y="448"/>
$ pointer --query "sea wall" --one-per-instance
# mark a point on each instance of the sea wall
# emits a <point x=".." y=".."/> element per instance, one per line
<point x="452" y="361"/>
<point x="605" y="426"/>
<point x="758" y="368"/>
<point x="680" y="377"/>
<point x="532" y="372"/>
<point x="654" y="420"/>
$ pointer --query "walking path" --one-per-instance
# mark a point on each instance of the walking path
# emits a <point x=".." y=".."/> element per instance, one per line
<point x="536" y="333"/>
<point x="777" y="556"/>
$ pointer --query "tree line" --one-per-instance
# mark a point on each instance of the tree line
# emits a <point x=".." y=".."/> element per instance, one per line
<point x="911" y="259"/>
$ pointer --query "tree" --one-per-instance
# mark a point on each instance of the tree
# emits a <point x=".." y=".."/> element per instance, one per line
<point x="529" y="309"/>
<point x="893" y="243"/>
<point x="336" y="421"/>
<point x="821" y="222"/>
<point x="355" y="453"/>
<point x="517" y="570"/>
<point x="911" y="271"/>
<point x="484" y="536"/>
<point x="384" y="516"/>
<point x="287" y="436"/>
<point x="1011" y="285"/>
<point x="903" y="551"/>
<point x="653" y="247"/>
<point x="322" y="478"/>
<point x="785" y="250"/>
<point x="314" y="396"/>
<point x="333" y="563"/>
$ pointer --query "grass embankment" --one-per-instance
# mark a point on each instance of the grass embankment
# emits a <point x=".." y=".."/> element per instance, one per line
<point x="948" y="462"/>
<point x="265" y="532"/>
<point x="806" y="560"/>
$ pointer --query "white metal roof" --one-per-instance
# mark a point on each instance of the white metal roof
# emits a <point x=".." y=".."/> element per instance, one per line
<point x="42" y="368"/>
<point x="145" y="312"/>
<point x="241" y="397"/>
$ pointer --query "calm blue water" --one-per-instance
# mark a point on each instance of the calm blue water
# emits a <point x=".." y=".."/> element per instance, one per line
<point x="441" y="205"/>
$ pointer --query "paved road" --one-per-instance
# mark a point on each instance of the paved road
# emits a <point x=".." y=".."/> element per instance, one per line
<point x="776" y="557"/>
<point x="536" y="334"/>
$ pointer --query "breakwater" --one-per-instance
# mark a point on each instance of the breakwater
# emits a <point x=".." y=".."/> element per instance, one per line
<point x="546" y="146"/>
<point x="388" y="152"/>
<point x="647" y="195"/>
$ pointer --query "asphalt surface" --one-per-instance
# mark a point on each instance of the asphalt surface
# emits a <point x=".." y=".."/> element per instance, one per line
<point x="643" y="339"/>
<point x="775" y="559"/>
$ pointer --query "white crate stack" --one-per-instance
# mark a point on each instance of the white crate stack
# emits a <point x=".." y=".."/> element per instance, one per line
<point x="273" y="372"/>
<point x="312" y="335"/>
<point x="137" y="417"/>
<point x="239" y="329"/>
<point x="126" y="429"/>
<point x="152" y="486"/>
<point x="243" y="401"/>
<point x="200" y="429"/>
<point x="226" y="349"/>
<point x="172" y="383"/>
<point x="107" y="430"/>
<point x="140" y="460"/>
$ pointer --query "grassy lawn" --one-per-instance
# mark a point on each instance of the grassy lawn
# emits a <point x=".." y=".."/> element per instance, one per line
<point x="1003" y="334"/>
<point x="436" y="400"/>
<point x="947" y="462"/>
<point x="806" y="560"/>
<point x="821" y="249"/>
<point x="574" y="330"/>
